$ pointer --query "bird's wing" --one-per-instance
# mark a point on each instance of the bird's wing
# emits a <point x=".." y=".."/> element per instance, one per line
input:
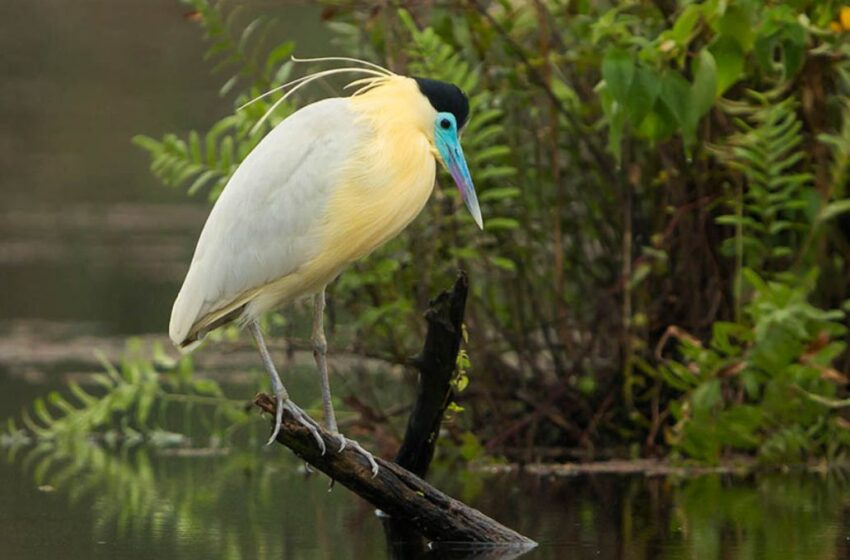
<point x="264" y="224"/>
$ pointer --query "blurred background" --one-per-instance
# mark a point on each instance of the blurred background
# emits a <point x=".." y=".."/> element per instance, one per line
<point x="656" y="360"/>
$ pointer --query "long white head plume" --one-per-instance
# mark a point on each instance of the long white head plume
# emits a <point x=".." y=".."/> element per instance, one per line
<point x="377" y="75"/>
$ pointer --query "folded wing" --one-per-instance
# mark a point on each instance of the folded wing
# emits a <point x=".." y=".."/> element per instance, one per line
<point x="266" y="222"/>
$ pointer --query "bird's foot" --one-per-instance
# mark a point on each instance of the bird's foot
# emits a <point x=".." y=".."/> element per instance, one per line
<point x="345" y="442"/>
<point x="299" y="416"/>
<point x="342" y="441"/>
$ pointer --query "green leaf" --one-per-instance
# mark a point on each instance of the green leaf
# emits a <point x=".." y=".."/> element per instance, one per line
<point x="685" y="24"/>
<point x="501" y="223"/>
<point x="490" y="153"/>
<point x="730" y="62"/>
<point x="737" y="25"/>
<point x="503" y="263"/>
<point x="201" y="180"/>
<point x="499" y="193"/>
<point x="279" y="53"/>
<point x="207" y="387"/>
<point x="675" y="95"/>
<point x="228" y="85"/>
<point x="84" y="398"/>
<point x="658" y="123"/>
<point x="195" y="146"/>
<point x="834" y="209"/>
<point x="249" y="31"/>
<point x="706" y="396"/>
<point x="494" y="172"/>
<point x="642" y="94"/>
<point x="785" y="38"/>
<point x="704" y="88"/>
<point x="147" y="143"/>
<point x="618" y="69"/>
<point x="40" y="409"/>
<point x="616" y="121"/>
<point x="795" y="48"/>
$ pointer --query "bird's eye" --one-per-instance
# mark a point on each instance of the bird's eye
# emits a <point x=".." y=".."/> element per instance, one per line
<point x="445" y="124"/>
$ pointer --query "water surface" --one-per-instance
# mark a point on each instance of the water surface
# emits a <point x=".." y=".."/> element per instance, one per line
<point x="260" y="504"/>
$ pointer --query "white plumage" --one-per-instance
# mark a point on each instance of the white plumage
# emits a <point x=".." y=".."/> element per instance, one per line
<point x="266" y="221"/>
<point x="329" y="185"/>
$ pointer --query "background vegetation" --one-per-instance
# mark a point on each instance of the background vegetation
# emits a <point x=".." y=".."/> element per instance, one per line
<point x="663" y="265"/>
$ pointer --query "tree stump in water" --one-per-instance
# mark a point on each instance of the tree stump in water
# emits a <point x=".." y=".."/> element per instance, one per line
<point x="395" y="490"/>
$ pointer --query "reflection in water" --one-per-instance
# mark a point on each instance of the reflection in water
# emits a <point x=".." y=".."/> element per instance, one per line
<point x="404" y="544"/>
<point x="141" y="503"/>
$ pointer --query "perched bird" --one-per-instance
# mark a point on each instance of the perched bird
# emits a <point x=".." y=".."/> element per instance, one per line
<point x="327" y="186"/>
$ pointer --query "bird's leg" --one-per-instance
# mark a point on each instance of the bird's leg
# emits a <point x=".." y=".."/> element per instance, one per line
<point x="320" y="351"/>
<point x="283" y="401"/>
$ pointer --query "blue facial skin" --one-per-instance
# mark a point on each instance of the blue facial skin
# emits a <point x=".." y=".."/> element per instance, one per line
<point x="448" y="144"/>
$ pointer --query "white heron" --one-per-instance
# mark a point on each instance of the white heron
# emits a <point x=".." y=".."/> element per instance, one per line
<point x="327" y="186"/>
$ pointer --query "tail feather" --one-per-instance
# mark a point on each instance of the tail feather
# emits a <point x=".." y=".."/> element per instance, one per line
<point x="184" y="314"/>
<point x="189" y="321"/>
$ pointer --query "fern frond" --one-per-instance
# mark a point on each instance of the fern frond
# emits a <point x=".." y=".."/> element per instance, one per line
<point x="203" y="163"/>
<point x="769" y="213"/>
<point x="238" y="46"/>
<point x="127" y="397"/>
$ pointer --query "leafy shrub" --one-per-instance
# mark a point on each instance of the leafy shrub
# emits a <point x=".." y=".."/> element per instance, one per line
<point x="644" y="168"/>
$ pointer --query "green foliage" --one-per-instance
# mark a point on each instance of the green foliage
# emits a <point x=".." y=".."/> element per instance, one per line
<point x="838" y="143"/>
<point x="201" y="164"/>
<point x="205" y="161"/>
<point x="770" y="215"/>
<point x="154" y="400"/>
<point x="759" y="382"/>
<point x="766" y="382"/>
<point x="634" y="161"/>
<point x="750" y="387"/>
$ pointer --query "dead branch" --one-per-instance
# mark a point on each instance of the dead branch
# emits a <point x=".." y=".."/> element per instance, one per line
<point x="397" y="492"/>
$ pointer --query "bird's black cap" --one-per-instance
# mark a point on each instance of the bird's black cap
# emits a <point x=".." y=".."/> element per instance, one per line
<point x="445" y="98"/>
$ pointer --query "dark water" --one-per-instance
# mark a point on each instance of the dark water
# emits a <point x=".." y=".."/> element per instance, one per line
<point x="86" y="232"/>
<point x="92" y="249"/>
<point x="258" y="504"/>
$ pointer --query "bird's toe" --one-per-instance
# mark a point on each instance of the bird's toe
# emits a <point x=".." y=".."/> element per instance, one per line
<point x="278" y="419"/>
<point x="304" y="419"/>
<point x="373" y="465"/>
<point x="342" y="442"/>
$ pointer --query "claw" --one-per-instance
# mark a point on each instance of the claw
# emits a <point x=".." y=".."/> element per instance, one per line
<point x="358" y="448"/>
<point x="278" y="419"/>
<point x="301" y="417"/>
<point x="319" y="441"/>
<point x="342" y="442"/>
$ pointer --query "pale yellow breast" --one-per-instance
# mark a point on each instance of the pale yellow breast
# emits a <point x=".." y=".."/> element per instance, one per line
<point x="382" y="189"/>
<point x="378" y="200"/>
<point x="363" y="213"/>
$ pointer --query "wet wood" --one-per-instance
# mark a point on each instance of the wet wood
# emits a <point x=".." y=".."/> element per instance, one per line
<point x="411" y="503"/>
<point x="395" y="490"/>
<point x="436" y="364"/>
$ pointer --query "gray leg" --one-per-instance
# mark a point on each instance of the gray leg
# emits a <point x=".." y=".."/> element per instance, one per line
<point x="320" y="351"/>
<point x="283" y="401"/>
